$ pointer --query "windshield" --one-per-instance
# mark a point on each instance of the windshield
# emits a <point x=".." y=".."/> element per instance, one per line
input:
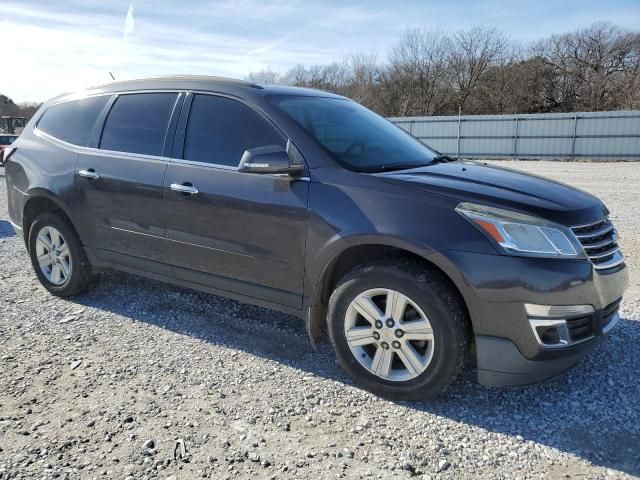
<point x="358" y="139"/>
<point x="7" y="139"/>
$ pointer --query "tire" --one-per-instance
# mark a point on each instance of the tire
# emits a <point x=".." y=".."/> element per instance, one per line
<point x="425" y="292"/>
<point x="79" y="278"/>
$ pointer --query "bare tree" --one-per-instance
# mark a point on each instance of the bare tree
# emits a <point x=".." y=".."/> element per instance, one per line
<point x="416" y="79"/>
<point x="470" y="55"/>
<point x="359" y="79"/>
<point x="433" y="73"/>
<point x="266" y="77"/>
<point x="594" y="66"/>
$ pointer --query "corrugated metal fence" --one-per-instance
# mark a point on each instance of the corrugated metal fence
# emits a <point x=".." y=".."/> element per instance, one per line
<point x="565" y="136"/>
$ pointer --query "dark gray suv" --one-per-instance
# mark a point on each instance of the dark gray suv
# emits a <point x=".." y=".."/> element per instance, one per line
<point x="306" y="202"/>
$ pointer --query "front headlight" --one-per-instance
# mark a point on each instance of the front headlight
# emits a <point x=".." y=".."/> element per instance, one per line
<point x="521" y="234"/>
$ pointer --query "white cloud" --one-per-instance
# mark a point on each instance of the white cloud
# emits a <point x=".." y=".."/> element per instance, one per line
<point x="60" y="52"/>
<point x="129" y="23"/>
<point x="71" y="44"/>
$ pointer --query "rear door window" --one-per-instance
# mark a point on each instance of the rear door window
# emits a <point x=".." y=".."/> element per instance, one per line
<point x="221" y="129"/>
<point x="73" y="121"/>
<point x="137" y="123"/>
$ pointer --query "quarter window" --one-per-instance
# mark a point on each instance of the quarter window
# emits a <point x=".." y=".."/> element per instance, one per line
<point x="137" y="123"/>
<point x="221" y="129"/>
<point x="73" y="121"/>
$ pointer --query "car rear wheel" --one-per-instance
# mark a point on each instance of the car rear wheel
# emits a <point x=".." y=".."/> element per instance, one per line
<point x="399" y="330"/>
<point x="58" y="257"/>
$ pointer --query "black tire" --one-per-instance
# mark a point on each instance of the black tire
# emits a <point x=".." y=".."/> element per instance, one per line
<point x="81" y="279"/>
<point x="430" y="291"/>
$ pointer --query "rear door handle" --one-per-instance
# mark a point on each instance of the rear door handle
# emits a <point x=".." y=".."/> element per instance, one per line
<point x="91" y="174"/>
<point x="186" y="188"/>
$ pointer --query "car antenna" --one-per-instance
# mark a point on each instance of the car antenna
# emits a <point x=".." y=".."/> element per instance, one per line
<point x="112" y="77"/>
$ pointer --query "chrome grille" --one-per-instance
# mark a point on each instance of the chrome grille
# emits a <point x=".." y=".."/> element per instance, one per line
<point x="599" y="240"/>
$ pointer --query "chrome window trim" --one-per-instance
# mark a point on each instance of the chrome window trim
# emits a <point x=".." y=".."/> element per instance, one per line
<point x="217" y="166"/>
<point x="138" y="156"/>
<point x="127" y="155"/>
<point x="61" y="143"/>
<point x="196" y="163"/>
<point x="96" y="151"/>
<point x="89" y="150"/>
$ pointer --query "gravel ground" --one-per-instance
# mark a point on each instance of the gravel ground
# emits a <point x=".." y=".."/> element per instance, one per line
<point x="113" y="383"/>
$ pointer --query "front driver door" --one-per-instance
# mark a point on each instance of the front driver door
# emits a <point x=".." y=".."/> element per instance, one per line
<point x="237" y="232"/>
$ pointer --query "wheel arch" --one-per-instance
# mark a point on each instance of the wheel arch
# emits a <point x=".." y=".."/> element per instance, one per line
<point x="353" y="255"/>
<point x="40" y="200"/>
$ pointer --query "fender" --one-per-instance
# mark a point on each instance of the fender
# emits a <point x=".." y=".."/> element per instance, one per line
<point x="40" y="192"/>
<point x="315" y="306"/>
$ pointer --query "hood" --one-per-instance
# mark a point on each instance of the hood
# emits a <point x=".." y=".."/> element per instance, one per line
<point x="503" y="188"/>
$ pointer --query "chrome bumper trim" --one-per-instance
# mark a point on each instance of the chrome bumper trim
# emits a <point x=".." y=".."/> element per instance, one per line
<point x="615" y="318"/>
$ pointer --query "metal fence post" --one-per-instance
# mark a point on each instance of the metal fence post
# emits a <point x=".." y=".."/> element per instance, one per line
<point x="573" y="140"/>
<point x="458" y="141"/>
<point x="515" y="140"/>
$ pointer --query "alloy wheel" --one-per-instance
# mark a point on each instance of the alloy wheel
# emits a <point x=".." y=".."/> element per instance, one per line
<point x="389" y="334"/>
<point x="54" y="257"/>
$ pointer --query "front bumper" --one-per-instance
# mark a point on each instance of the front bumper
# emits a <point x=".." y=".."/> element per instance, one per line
<point x="496" y="289"/>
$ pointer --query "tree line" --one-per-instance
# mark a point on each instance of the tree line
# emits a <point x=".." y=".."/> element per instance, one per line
<point x="482" y="71"/>
<point x="476" y="71"/>
<point x="11" y="109"/>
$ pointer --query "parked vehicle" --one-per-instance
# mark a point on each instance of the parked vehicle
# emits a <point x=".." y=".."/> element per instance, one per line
<point x="306" y="202"/>
<point x="5" y="141"/>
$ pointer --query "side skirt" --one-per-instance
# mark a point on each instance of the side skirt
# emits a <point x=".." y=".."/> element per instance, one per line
<point x="195" y="280"/>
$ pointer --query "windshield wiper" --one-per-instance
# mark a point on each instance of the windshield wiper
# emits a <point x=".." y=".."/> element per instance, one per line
<point x="442" y="159"/>
<point x="392" y="167"/>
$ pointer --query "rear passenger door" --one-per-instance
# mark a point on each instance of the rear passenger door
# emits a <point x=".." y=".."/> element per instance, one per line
<point x="238" y="232"/>
<point x="120" y="182"/>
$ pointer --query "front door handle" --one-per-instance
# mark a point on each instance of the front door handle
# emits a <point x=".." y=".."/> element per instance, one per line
<point x="90" y="173"/>
<point x="186" y="188"/>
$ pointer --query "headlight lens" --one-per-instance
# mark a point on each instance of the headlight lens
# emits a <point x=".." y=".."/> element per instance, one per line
<point x="520" y="234"/>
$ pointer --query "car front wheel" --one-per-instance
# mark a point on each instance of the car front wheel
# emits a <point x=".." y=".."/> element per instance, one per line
<point x="398" y="329"/>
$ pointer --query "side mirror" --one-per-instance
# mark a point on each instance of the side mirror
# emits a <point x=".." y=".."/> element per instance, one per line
<point x="269" y="159"/>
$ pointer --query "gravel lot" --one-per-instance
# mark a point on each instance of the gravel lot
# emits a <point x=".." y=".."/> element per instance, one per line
<point x="104" y="385"/>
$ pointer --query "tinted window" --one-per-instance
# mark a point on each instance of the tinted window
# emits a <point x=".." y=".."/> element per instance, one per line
<point x="73" y="121"/>
<point x="138" y="123"/>
<point x="358" y="138"/>
<point x="221" y="129"/>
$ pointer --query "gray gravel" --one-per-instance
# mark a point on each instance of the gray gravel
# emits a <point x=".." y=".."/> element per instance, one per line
<point x="140" y="379"/>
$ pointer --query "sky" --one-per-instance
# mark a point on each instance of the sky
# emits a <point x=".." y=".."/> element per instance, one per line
<point x="51" y="47"/>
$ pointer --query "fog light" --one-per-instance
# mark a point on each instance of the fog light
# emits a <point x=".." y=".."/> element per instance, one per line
<point x="550" y="323"/>
<point x="551" y="333"/>
<point x="548" y="335"/>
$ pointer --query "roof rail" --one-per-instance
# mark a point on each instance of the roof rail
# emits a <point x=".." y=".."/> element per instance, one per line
<point x="178" y="78"/>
